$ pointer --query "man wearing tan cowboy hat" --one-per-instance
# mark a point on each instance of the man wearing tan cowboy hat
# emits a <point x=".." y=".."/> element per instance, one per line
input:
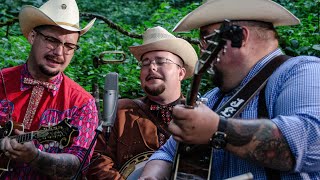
<point x="38" y="94"/>
<point x="141" y="124"/>
<point x="276" y="135"/>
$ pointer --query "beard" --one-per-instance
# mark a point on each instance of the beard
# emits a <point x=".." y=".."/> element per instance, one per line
<point x="155" y="91"/>
<point x="217" y="77"/>
<point x="47" y="72"/>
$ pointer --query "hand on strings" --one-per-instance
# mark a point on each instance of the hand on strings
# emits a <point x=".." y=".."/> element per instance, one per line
<point x="193" y="126"/>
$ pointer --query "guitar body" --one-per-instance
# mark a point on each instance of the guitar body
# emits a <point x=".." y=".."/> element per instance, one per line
<point x="192" y="162"/>
<point x="62" y="132"/>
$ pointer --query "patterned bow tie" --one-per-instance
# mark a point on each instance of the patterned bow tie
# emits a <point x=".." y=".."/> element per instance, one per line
<point x="41" y="83"/>
<point x="35" y="98"/>
<point x="165" y="111"/>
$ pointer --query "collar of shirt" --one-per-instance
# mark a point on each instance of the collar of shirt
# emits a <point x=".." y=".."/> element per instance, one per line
<point x="25" y="73"/>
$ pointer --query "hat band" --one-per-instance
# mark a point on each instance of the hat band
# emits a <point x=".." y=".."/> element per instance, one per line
<point x="68" y="24"/>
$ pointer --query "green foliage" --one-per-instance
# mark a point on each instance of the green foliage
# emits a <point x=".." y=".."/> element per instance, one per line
<point x="299" y="40"/>
<point x="135" y="16"/>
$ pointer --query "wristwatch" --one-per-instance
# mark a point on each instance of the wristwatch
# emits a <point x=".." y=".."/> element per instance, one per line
<point x="219" y="138"/>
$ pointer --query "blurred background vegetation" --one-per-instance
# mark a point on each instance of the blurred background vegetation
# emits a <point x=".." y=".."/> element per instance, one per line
<point x="134" y="17"/>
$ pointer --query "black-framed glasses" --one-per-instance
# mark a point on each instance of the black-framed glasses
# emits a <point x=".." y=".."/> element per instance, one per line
<point x="159" y="61"/>
<point x="53" y="43"/>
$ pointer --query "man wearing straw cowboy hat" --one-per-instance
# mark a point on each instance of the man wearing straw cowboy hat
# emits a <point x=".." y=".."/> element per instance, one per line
<point x="141" y="124"/>
<point x="282" y="145"/>
<point x="38" y="93"/>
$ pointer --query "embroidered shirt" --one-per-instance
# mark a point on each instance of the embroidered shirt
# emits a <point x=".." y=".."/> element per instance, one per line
<point x="68" y="100"/>
<point x="293" y="103"/>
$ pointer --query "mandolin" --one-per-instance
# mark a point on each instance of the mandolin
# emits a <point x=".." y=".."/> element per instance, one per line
<point x="194" y="161"/>
<point x="62" y="133"/>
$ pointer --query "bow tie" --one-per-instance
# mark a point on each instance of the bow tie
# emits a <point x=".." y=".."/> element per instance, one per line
<point x="37" y="82"/>
<point x="165" y="111"/>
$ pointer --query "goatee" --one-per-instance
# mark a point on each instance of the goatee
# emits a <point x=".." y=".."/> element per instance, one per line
<point x="155" y="91"/>
<point x="47" y="72"/>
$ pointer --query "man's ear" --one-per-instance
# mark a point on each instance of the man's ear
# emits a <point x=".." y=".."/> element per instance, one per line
<point x="31" y="37"/>
<point x="182" y="73"/>
<point x="246" y="34"/>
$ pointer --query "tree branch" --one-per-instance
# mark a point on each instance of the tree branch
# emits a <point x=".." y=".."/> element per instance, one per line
<point x="123" y="31"/>
<point x="109" y="23"/>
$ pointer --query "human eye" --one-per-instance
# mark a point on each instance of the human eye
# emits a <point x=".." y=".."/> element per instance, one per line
<point x="70" y="46"/>
<point x="145" y="62"/>
<point x="52" y="40"/>
<point x="161" y="60"/>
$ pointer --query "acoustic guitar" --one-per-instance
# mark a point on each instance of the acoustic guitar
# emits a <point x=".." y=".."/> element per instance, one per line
<point x="62" y="133"/>
<point x="194" y="161"/>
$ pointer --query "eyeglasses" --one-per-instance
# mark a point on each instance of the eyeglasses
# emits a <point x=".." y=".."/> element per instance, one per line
<point x="159" y="61"/>
<point x="53" y="43"/>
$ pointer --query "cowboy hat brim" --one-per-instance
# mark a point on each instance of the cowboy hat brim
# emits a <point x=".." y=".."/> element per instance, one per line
<point x="216" y="11"/>
<point x="31" y="17"/>
<point x="177" y="46"/>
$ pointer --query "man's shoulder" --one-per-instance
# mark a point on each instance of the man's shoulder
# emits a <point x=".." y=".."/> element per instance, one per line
<point x="10" y="70"/>
<point x="74" y="88"/>
<point x="127" y="103"/>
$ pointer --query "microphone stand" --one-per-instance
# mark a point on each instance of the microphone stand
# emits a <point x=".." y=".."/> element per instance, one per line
<point x="98" y="132"/>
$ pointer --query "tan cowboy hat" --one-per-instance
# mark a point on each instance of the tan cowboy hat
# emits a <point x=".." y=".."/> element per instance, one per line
<point x="62" y="13"/>
<point x="159" y="39"/>
<point x="215" y="11"/>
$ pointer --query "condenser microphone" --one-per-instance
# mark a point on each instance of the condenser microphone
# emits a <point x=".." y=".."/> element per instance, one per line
<point x="110" y="100"/>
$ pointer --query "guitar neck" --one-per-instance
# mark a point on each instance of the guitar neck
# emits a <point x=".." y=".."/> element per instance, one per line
<point x="193" y="93"/>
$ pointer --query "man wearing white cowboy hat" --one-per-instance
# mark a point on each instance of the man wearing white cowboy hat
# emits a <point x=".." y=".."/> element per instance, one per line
<point x="282" y="145"/>
<point x="141" y="124"/>
<point x="38" y="94"/>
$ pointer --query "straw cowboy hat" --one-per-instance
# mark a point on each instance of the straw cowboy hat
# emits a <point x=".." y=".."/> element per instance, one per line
<point x="62" y="13"/>
<point x="215" y="11"/>
<point x="159" y="39"/>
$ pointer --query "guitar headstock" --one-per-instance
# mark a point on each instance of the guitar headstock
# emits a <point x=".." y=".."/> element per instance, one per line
<point x="215" y="43"/>
<point x="62" y="133"/>
<point x="210" y="56"/>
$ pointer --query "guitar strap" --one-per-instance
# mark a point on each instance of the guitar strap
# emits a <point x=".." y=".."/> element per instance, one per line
<point x="236" y="104"/>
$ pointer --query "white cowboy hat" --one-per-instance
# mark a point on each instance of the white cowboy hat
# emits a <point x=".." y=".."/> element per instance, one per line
<point x="215" y="11"/>
<point x="62" y="13"/>
<point x="159" y="39"/>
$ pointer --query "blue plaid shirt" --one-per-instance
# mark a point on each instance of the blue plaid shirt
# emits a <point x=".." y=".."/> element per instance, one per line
<point x="293" y="103"/>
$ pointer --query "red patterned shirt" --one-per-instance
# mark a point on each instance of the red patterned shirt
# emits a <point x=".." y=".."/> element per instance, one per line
<point x="67" y="100"/>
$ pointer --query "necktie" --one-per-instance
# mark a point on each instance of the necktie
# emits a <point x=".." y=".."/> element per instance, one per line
<point x="35" y="98"/>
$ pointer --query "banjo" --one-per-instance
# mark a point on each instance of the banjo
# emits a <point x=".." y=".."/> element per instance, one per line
<point x="132" y="169"/>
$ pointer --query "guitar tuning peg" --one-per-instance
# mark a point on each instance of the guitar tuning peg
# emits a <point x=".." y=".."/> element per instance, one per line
<point x="210" y="71"/>
<point x="218" y="58"/>
<point x="224" y="49"/>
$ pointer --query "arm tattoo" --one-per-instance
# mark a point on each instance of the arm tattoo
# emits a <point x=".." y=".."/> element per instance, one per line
<point x="58" y="166"/>
<point x="259" y="141"/>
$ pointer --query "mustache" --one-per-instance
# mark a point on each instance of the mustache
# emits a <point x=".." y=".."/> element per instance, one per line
<point x="153" y="76"/>
<point x="54" y="58"/>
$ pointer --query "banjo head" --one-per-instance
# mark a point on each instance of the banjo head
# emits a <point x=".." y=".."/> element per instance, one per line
<point x="132" y="169"/>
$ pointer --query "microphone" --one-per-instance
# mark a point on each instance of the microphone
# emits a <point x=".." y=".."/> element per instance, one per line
<point x="110" y="101"/>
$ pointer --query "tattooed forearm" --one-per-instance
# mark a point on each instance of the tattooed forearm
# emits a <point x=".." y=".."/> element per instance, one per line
<point x="58" y="166"/>
<point x="259" y="141"/>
